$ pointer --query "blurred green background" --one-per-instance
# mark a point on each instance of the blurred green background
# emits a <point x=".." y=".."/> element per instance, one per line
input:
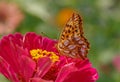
<point x="101" y="21"/>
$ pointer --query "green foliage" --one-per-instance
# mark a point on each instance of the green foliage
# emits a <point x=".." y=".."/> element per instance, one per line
<point x="3" y="79"/>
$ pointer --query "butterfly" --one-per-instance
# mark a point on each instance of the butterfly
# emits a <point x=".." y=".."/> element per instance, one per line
<point x="72" y="42"/>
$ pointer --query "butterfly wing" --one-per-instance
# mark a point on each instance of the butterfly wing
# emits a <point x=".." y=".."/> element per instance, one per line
<point x="72" y="43"/>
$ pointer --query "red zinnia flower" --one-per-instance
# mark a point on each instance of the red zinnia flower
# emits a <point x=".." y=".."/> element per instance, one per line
<point x="10" y="17"/>
<point x="33" y="58"/>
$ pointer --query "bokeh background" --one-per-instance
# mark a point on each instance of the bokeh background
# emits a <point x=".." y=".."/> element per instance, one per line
<point x="101" y="22"/>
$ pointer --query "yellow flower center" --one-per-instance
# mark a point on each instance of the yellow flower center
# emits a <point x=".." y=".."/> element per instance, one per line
<point x="39" y="53"/>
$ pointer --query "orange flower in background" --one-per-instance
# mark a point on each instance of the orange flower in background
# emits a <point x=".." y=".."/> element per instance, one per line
<point x="63" y="16"/>
<point x="10" y="17"/>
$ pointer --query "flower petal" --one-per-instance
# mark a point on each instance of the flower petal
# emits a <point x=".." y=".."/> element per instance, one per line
<point x="32" y="41"/>
<point x="28" y="66"/>
<point x="82" y="76"/>
<point x="8" y="72"/>
<point x="38" y="80"/>
<point x="43" y="65"/>
<point x="47" y="43"/>
<point x="85" y="73"/>
<point x="65" y="70"/>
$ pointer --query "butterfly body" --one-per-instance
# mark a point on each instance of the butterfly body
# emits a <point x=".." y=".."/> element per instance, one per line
<point x="72" y="43"/>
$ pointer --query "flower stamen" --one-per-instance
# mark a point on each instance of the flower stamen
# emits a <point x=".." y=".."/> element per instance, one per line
<point x="39" y="53"/>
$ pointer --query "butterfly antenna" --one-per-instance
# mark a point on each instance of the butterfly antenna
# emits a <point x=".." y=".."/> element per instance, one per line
<point x="44" y="34"/>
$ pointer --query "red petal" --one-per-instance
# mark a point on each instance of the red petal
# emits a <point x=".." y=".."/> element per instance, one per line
<point x="32" y="41"/>
<point x="65" y="70"/>
<point x="38" y="80"/>
<point x="27" y="67"/>
<point x="43" y="66"/>
<point x="82" y="76"/>
<point x="7" y="71"/>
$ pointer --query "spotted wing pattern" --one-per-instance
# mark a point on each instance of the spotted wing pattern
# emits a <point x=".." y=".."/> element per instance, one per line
<point x="72" y="43"/>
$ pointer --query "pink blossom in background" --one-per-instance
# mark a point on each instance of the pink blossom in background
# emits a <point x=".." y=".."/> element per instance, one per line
<point x="116" y="62"/>
<point x="33" y="58"/>
<point x="10" y="17"/>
